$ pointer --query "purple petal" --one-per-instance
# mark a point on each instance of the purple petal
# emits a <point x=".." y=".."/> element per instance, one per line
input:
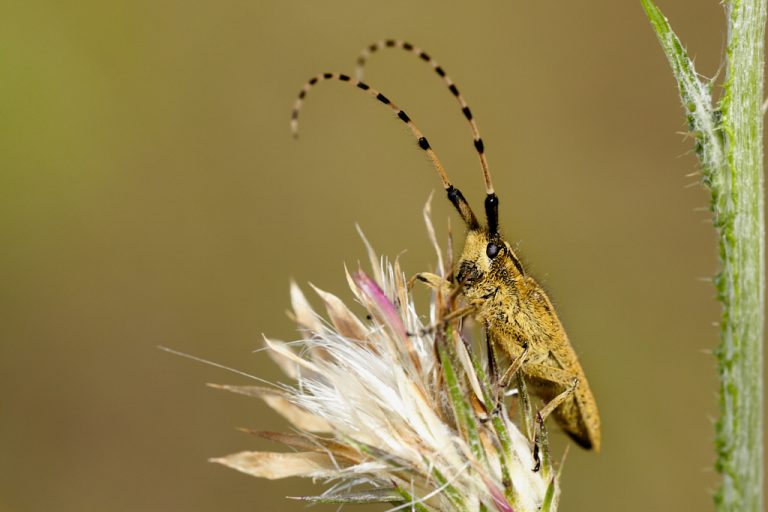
<point x="502" y="505"/>
<point x="387" y="311"/>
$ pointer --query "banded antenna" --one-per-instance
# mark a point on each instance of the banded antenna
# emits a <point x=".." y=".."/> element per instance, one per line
<point x="454" y="194"/>
<point x="491" y="200"/>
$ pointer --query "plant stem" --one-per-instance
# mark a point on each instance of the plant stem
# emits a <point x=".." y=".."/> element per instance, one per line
<point x="741" y="283"/>
<point x="729" y="144"/>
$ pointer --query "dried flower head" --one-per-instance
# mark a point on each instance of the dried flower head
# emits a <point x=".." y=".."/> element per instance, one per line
<point x="396" y="407"/>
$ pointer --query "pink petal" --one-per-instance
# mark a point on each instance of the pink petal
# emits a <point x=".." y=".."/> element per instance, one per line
<point x="385" y="308"/>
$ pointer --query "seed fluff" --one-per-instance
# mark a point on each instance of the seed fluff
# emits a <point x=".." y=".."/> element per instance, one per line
<point x="395" y="407"/>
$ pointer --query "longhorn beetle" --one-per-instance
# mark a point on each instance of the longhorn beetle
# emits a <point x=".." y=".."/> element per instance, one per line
<point x="516" y="312"/>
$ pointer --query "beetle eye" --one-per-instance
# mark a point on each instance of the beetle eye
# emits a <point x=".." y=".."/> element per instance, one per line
<point x="492" y="250"/>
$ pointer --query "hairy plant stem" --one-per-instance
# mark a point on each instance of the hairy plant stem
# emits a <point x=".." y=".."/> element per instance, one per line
<point x="729" y="142"/>
<point x="741" y="283"/>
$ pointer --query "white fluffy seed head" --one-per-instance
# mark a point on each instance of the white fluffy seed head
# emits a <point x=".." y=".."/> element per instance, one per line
<point x="394" y="408"/>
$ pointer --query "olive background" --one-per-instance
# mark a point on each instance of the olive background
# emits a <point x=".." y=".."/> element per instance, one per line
<point x="151" y="194"/>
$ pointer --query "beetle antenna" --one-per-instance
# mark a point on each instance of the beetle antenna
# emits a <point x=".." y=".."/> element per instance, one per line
<point x="454" y="194"/>
<point x="366" y="54"/>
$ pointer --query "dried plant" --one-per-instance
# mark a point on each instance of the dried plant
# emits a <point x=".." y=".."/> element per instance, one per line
<point x="396" y="407"/>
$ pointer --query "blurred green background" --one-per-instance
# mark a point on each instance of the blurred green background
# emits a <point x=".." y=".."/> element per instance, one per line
<point x="151" y="194"/>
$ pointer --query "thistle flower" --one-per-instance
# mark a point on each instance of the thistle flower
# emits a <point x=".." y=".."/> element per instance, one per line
<point x="395" y="407"/>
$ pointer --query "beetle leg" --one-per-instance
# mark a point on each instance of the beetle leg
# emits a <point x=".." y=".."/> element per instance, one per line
<point x="514" y="367"/>
<point x="431" y="280"/>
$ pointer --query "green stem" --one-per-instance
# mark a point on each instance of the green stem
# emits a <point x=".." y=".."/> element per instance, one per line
<point x="729" y="143"/>
<point x="741" y="282"/>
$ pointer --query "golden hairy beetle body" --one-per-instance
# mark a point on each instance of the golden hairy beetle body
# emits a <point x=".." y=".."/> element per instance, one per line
<point x="517" y="313"/>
